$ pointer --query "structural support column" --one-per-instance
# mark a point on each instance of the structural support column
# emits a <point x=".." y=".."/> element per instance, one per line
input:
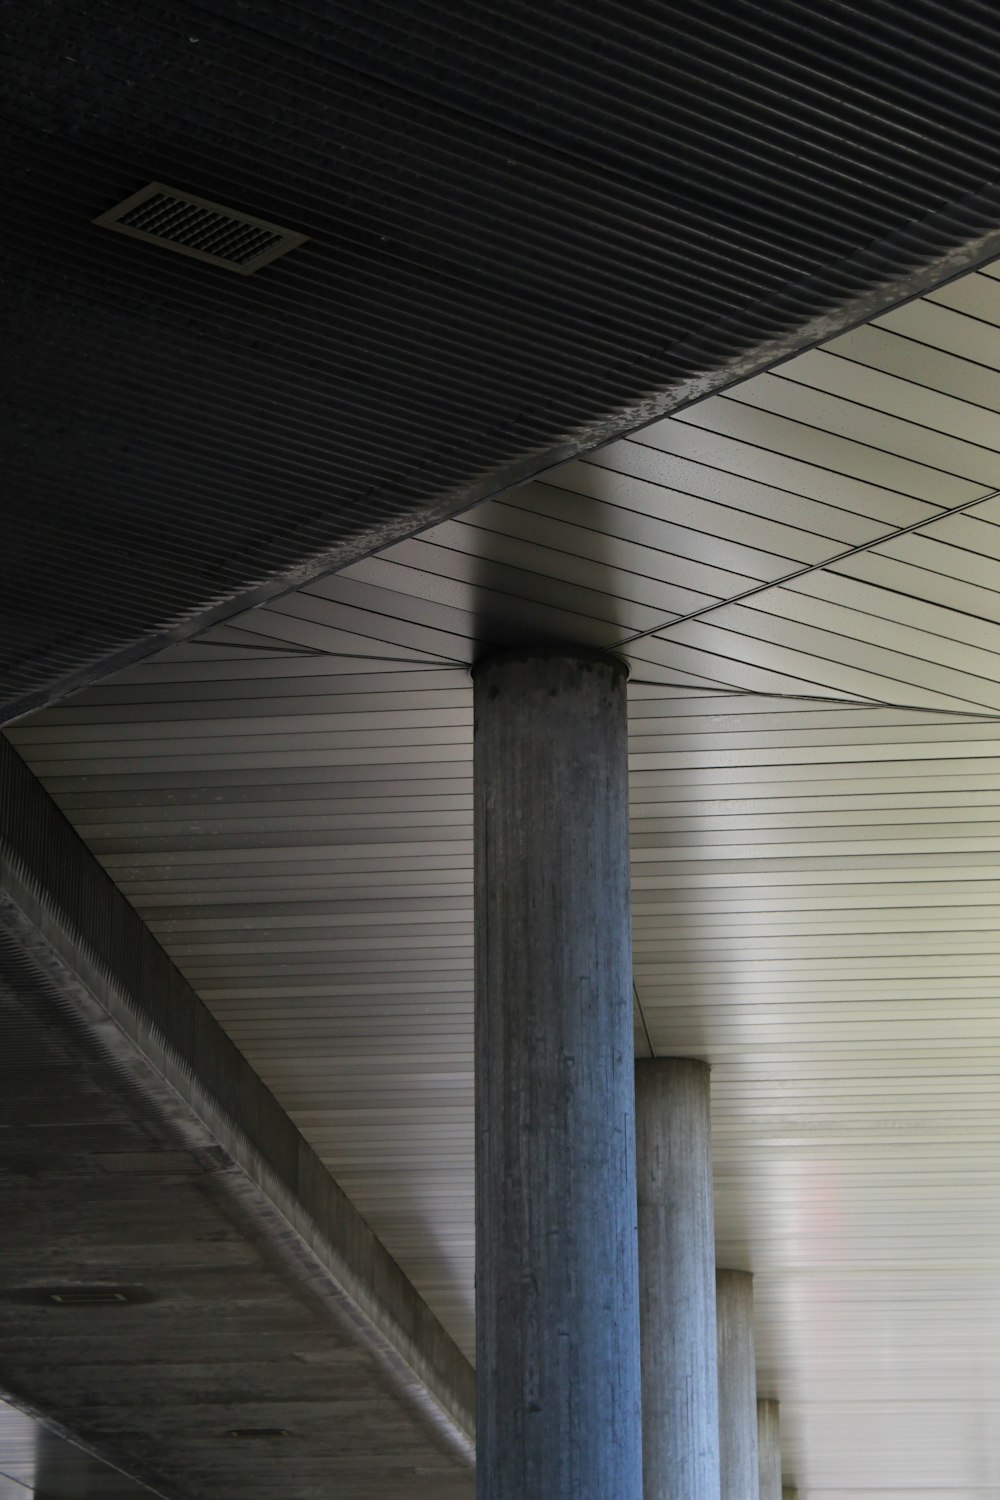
<point x="768" y="1450"/>
<point x="558" y="1404"/>
<point x="737" y="1387"/>
<point x="680" y="1413"/>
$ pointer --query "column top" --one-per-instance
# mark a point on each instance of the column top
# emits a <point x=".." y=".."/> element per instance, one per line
<point x="550" y="651"/>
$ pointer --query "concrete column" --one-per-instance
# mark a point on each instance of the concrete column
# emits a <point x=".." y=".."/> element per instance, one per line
<point x="680" y="1412"/>
<point x="557" y="1303"/>
<point x="768" y="1450"/>
<point x="737" y="1386"/>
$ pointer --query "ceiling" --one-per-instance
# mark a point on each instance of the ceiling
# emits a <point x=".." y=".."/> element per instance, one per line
<point x="804" y="575"/>
<point x="529" y="229"/>
<point x="184" y="1289"/>
<point x="36" y="1461"/>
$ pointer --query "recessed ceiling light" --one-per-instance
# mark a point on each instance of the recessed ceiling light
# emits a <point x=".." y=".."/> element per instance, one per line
<point x="87" y="1296"/>
<point x="257" y="1432"/>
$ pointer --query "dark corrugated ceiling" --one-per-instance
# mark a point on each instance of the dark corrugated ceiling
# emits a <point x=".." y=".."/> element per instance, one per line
<point x="529" y="228"/>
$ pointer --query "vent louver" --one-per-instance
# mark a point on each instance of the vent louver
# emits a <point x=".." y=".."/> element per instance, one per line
<point x="194" y="226"/>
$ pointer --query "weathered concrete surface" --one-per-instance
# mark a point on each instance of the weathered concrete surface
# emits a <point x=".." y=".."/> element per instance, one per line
<point x="558" y="1409"/>
<point x="680" y="1410"/>
<point x="141" y="1152"/>
<point x="737" y="1386"/>
<point x="769" y="1450"/>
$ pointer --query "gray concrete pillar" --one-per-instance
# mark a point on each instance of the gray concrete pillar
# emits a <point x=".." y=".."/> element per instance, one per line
<point x="768" y="1450"/>
<point x="557" y="1304"/>
<point x="680" y="1412"/>
<point x="737" y="1386"/>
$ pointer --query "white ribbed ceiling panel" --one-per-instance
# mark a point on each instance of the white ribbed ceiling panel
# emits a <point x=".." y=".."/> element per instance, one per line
<point x="804" y="575"/>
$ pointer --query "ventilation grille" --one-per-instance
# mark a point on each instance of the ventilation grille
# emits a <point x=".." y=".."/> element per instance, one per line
<point x="178" y="221"/>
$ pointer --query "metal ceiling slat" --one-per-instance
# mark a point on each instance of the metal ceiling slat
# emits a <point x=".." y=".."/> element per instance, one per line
<point x="676" y="658"/>
<point x="667" y="530"/>
<point x="867" y="417"/>
<point x="506" y="587"/>
<point x="600" y="499"/>
<point x="540" y="584"/>
<point x="330" y="642"/>
<point x="303" y="677"/>
<point x="329" y="612"/>
<point x="946" y="329"/>
<point x="924" y="584"/>
<point x="906" y="393"/>
<point x="895" y="625"/>
<point x="653" y="450"/>
<point x="976" y="296"/>
<point x="340" y="729"/>
<point x="644" y="480"/>
<point x="976" y="532"/>
<point x="488" y="615"/>
<point x="876" y="348"/>
<point x="773" y="633"/>
<point x="700" y="744"/>
<point x="457" y="550"/>
<point x="240" y="760"/>
<point x="828" y="446"/>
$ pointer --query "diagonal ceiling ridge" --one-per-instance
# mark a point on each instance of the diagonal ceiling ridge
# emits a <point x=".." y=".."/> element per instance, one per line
<point x="961" y="714"/>
<point x="806" y="569"/>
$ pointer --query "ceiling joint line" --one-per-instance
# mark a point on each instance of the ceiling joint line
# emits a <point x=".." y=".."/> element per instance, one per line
<point x="866" y="406"/>
<point x="257" y="646"/>
<point x="918" y="385"/>
<point x="431" y="664"/>
<point x="976" y="716"/>
<point x="803" y="572"/>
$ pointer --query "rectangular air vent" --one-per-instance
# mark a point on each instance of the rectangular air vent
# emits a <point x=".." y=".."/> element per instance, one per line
<point x="77" y="1296"/>
<point x="179" y="221"/>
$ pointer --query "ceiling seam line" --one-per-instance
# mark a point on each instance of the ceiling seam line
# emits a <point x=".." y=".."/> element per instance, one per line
<point x="509" y="501"/>
<point x="742" y="638"/>
<point x="932" y="348"/>
<point x="841" y="702"/>
<point x="811" y="463"/>
<point x="868" y="406"/>
<point x="727" y="692"/>
<point x="917" y="385"/>
<point x="826" y="431"/>
<point x="830" y="562"/>
<point x="433" y="663"/>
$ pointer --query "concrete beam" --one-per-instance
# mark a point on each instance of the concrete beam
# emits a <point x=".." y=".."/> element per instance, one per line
<point x="146" y="1066"/>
